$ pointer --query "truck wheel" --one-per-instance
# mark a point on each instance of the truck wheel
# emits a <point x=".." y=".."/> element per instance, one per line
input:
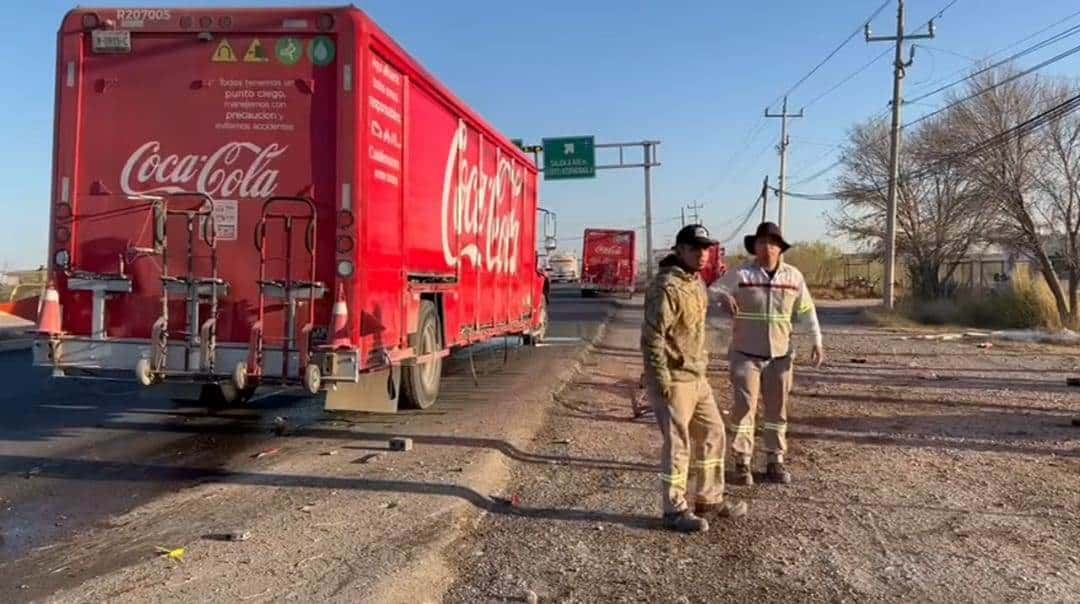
<point x="224" y="395"/>
<point x="420" y="382"/>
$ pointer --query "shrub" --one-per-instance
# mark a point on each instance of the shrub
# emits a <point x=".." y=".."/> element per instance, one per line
<point x="1025" y="303"/>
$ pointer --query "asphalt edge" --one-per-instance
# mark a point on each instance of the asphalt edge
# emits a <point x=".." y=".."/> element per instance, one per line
<point x="429" y="573"/>
<point x="16" y="344"/>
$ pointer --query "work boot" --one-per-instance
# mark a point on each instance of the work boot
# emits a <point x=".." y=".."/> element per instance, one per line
<point x="776" y="473"/>
<point x="724" y="509"/>
<point x="742" y="475"/>
<point x="686" y="522"/>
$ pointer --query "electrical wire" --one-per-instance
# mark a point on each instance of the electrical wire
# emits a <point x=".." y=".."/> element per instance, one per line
<point x="1064" y="19"/>
<point x="847" y="79"/>
<point x="1036" y="47"/>
<point x="736" y="157"/>
<point x="749" y="214"/>
<point x="828" y="57"/>
<point x="996" y="85"/>
<point x="1029" y="125"/>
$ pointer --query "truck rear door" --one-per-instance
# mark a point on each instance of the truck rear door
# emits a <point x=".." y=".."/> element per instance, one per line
<point x="224" y="103"/>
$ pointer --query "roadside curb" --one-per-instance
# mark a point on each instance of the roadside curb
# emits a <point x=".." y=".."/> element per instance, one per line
<point x="489" y="474"/>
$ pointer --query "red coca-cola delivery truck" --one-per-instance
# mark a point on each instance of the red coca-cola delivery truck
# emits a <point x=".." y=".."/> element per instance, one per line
<point x="715" y="266"/>
<point x="608" y="261"/>
<point x="245" y="197"/>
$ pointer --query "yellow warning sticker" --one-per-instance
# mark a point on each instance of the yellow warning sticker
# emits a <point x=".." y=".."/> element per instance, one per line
<point x="224" y="53"/>
<point x="255" y="53"/>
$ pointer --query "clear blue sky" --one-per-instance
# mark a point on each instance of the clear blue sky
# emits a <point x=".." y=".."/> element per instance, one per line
<point x="696" y="75"/>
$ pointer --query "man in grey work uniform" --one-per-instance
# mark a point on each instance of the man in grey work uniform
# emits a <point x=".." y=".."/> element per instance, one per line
<point x="764" y="295"/>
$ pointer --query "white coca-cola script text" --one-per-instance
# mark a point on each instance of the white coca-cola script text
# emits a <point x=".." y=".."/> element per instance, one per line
<point x="480" y="220"/>
<point x="236" y="170"/>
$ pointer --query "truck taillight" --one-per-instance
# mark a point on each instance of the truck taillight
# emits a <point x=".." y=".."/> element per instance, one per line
<point x="62" y="259"/>
<point x="325" y="22"/>
<point x="345" y="268"/>
<point x="90" y="21"/>
<point x="62" y="234"/>
<point x="187" y="21"/>
<point x="344" y="244"/>
<point x="225" y="22"/>
<point x="206" y="22"/>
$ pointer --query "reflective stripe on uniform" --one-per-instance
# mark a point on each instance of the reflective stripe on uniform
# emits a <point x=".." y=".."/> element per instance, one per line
<point x="776" y="426"/>
<point x="744" y="428"/>
<point x="764" y="318"/>
<point x="709" y="463"/>
<point x="675" y="480"/>
<point x="805" y="307"/>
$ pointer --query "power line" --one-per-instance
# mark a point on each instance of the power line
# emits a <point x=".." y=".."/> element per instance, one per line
<point x="996" y="85"/>
<point x="746" y="219"/>
<point x="832" y="54"/>
<point x="941" y="12"/>
<point x="1053" y="39"/>
<point x="934" y="49"/>
<point x="820" y="173"/>
<point x="847" y="79"/>
<point x="1009" y="47"/>
<point x="1026" y="127"/>
<point x="738" y="156"/>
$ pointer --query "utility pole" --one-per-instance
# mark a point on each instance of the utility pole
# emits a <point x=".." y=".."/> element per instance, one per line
<point x="765" y="199"/>
<point x="784" y="142"/>
<point x="899" y="69"/>
<point x="649" y="160"/>
<point x="694" y="207"/>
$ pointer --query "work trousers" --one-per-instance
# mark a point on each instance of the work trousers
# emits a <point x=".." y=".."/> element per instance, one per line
<point x="694" y="443"/>
<point x="771" y="378"/>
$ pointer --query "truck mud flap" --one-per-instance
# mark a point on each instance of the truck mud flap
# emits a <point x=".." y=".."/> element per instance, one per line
<point x="376" y="392"/>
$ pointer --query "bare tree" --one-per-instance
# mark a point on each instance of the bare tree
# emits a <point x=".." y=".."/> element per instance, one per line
<point x="1009" y="172"/>
<point x="1059" y="181"/>
<point x="939" y="216"/>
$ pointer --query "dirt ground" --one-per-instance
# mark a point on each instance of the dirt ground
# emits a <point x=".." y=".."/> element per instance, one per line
<point x="277" y="501"/>
<point x="923" y="471"/>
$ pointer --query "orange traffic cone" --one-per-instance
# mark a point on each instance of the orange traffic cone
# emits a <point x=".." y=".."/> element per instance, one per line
<point x="49" y="316"/>
<point x="341" y="321"/>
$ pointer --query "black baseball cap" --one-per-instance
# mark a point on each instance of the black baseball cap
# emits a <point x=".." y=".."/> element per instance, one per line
<point x="695" y="234"/>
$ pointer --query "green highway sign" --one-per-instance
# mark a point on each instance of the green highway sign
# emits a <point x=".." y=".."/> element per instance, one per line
<point x="569" y="157"/>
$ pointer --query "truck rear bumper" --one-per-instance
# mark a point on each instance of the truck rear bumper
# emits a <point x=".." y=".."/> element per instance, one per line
<point x="83" y="357"/>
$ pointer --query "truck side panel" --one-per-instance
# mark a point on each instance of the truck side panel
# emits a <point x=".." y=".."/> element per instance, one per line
<point x="382" y="281"/>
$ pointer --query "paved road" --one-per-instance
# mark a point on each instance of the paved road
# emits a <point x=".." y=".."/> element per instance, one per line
<point x="73" y="455"/>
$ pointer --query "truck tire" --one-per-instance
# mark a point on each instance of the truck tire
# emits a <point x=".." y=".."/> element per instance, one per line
<point x="420" y="382"/>
<point x="223" y="396"/>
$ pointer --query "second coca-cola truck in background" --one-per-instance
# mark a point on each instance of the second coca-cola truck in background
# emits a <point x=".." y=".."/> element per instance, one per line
<point x="283" y="196"/>
<point x="715" y="266"/>
<point x="608" y="261"/>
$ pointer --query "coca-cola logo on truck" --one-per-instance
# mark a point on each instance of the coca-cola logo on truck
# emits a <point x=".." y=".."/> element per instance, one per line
<point x="478" y="210"/>
<point x="607" y="250"/>
<point x="235" y="170"/>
